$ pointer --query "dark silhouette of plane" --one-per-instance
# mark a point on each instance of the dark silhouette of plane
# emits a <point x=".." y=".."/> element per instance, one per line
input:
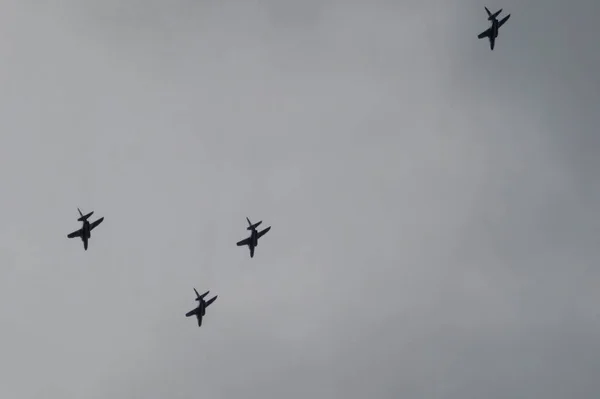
<point x="492" y="31"/>
<point x="86" y="231"/>
<point x="200" y="311"/>
<point x="252" y="241"/>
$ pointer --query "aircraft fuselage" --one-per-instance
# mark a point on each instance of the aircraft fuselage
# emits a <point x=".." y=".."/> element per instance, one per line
<point x="254" y="238"/>
<point x="85" y="230"/>
<point x="85" y="234"/>
<point x="494" y="28"/>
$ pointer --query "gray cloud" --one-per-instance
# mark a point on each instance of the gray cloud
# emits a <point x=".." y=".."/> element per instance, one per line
<point x="433" y="203"/>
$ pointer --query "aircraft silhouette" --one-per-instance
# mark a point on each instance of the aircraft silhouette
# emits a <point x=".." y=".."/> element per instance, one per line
<point x="85" y="231"/>
<point x="252" y="241"/>
<point x="492" y="31"/>
<point x="200" y="311"/>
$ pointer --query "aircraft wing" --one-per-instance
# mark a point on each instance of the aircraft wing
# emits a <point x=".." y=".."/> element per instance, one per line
<point x="75" y="234"/>
<point x="244" y="242"/>
<point x="265" y="231"/>
<point x="503" y="20"/>
<point x="484" y="34"/>
<point x="211" y="300"/>
<point x="96" y="223"/>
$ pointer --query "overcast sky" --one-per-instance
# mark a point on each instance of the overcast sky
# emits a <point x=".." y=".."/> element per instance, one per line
<point x="435" y="205"/>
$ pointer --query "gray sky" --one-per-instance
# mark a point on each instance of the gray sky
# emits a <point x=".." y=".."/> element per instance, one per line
<point x="434" y="204"/>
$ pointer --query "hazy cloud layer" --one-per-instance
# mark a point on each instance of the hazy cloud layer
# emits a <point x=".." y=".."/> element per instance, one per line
<point x="434" y="204"/>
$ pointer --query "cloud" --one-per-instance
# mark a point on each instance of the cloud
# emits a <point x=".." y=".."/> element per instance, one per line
<point x="433" y="203"/>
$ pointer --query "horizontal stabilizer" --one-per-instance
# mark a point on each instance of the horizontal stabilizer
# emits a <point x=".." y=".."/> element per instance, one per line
<point x="494" y="15"/>
<point x="198" y="296"/>
<point x="254" y="226"/>
<point x="84" y="217"/>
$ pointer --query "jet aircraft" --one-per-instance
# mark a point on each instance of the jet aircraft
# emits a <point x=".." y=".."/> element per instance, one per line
<point x="85" y="231"/>
<point x="200" y="311"/>
<point x="252" y="241"/>
<point x="492" y="31"/>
